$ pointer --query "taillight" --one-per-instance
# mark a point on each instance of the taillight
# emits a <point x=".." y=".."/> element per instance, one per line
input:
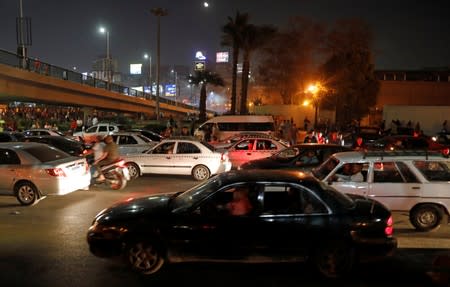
<point x="389" y="230"/>
<point x="446" y="152"/>
<point x="55" y="172"/>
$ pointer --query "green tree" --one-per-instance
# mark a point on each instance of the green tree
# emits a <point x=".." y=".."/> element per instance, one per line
<point x="253" y="38"/>
<point x="349" y="71"/>
<point x="204" y="78"/>
<point x="232" y="37"/>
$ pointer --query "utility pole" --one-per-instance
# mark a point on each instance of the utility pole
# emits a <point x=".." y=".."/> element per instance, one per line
<point x="158" y="12"/>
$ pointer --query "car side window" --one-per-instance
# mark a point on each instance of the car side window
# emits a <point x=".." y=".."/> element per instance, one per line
<point x="433" y="170"/>
<point x="285" y="199"/>
<point x="185" y="147"/>
<point x="102" y="129"/>
<point x="386" y="172"/>
<point x="8" y="157"/>
<point x="164" y="148"/>
<point x="127" y="140"/>
<point x="408" y="175"/>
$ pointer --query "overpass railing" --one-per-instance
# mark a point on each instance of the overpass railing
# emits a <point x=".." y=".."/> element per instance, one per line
<point x="35" y="65"/>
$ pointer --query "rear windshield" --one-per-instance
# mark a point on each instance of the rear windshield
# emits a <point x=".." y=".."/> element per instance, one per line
<point x="46" y="153"/>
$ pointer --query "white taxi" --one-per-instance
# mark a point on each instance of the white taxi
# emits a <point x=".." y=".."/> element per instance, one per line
<point x="179" y="156"/>
<point x="417" y="182"/>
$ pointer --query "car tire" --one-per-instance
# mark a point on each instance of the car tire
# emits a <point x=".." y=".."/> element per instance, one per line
<point x="133" y="169"/>
<point x="201" y="172"/>
<point x="334" y="259"/>
<point x="26" y="193"/>
<point x="426" y="217"/>
<point x="145" y="257"/>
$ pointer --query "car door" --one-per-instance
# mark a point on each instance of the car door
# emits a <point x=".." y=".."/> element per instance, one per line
<point x="241" y="152"/>
<point x="158" y="160"/>
<point x="343" y="182"/>
<point x="187" y="156"/>
<point x="127" y="144"/>
<point x="9" y="165"/>
<point x="210" y="231"/>
<point x="395" y="185"/>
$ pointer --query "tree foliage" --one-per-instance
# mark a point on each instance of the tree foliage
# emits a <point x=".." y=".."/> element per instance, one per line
<point x="202" y="79"/>
<point x="349" y="70"/>
<point x="287" y="63"/>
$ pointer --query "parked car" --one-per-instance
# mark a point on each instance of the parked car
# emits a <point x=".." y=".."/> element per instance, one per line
<point x="416" y="182"/>
<point x="253" y="148"/>
<point x="402" y="142"/>
<point x="67" y="145"/>
<point x="132" y="142"/>
<point x="30" y="171"/>
<point x="10" y="136"/>
<point x="179" y="155"/>
<point x="229" y="141"/>
<point x="297" y="157"/>
<point x="46" y="132"/>
<point x="293" y="218"/>
<point x="90" y="134"/>
<point x="149" y="134"/>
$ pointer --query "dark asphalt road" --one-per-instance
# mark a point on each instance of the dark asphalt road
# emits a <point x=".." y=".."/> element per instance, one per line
<point x="45" y="245"/>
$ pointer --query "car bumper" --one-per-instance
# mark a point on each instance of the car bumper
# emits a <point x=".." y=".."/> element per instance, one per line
<point x="64" y="185"/>
<point x="375" y="249"/>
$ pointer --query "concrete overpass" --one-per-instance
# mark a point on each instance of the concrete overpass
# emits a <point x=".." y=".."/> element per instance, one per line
<point x="44" y="83"/>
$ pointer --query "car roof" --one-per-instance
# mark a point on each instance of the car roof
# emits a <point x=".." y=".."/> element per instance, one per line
<point x="320" y="145"/>
<point x="265" y="175"/>
<point x="355" y="156"/>
<point x="19" y="145"/>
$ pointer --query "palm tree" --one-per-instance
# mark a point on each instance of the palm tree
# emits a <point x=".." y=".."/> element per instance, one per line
<point x="232" y="37"/>
<point x="253" y="38"/>
<point x="204" y="78"/>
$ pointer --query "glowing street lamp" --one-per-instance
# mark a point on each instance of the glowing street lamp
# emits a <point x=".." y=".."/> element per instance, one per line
<point x="108" y="60"/>
<point x="149" y="57"/>
<point x="314" y="90"/>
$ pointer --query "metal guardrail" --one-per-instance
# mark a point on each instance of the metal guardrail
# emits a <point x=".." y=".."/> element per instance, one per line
<point x="43" y="68"/>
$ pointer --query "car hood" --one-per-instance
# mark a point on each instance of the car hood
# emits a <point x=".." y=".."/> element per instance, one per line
<point x="263" y="163"/>
<point x="132" y="207"/>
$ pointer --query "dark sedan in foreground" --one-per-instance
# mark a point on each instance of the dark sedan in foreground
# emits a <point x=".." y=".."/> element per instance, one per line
<point x="246" y="216"/>
<point x="297" y="157"/>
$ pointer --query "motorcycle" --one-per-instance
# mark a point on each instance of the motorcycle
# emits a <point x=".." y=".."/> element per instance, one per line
<point x="116" y="175"/>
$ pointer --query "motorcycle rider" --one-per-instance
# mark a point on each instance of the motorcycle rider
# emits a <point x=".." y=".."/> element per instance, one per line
<point x="110" y="155"/>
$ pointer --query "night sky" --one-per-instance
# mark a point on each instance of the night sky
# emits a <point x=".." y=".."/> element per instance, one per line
<point x="409" y="34"/>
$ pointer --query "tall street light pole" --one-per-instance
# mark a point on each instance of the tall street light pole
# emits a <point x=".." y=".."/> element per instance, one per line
<point x="108" y="60"/>
<point x="149" y="57"/>
<point x="158" y="12"/>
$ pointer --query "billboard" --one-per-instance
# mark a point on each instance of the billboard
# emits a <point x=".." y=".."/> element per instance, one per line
<point x="135" y="69"/>
<point x="222" y="57"/>
<point x="171" y="90"/>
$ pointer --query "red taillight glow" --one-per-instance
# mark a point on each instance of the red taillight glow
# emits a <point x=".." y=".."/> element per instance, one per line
<point x="446" y="151"/>
<point x="55" y="172"/>
<point x="389" y="230"/>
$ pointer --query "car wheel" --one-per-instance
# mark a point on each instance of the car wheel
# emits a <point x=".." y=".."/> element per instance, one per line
<point x="426" y="217"/>
<point x="145" y="257"/>
<point x="133" y="169"/>
<point x="201" y="172"/>
<point x="26" y="193"/>
<point x="333" y="259"/>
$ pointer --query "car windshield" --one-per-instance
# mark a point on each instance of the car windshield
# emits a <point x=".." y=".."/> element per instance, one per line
<point x="195" y="194"/>
<point x="287" y="153"/>
<point x="325" y="168"/>
<point x="46" y="153"/>
<point x="343" y="199"/>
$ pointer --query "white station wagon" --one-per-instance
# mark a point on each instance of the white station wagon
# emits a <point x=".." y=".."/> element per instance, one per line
<point x="179" y="156"/>
<point x="411" y="181"/>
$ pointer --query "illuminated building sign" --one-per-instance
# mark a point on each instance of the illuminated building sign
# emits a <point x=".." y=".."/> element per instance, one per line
<point x="171" y="90"/>
<point x="222" y="57"/>
<point x="199" y="66"/>
<point x="199" y="56"/>
<point x="135" y="69"/>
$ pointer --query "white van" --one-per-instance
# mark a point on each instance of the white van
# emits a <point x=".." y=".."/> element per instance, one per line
<point x="229" y="125"/>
